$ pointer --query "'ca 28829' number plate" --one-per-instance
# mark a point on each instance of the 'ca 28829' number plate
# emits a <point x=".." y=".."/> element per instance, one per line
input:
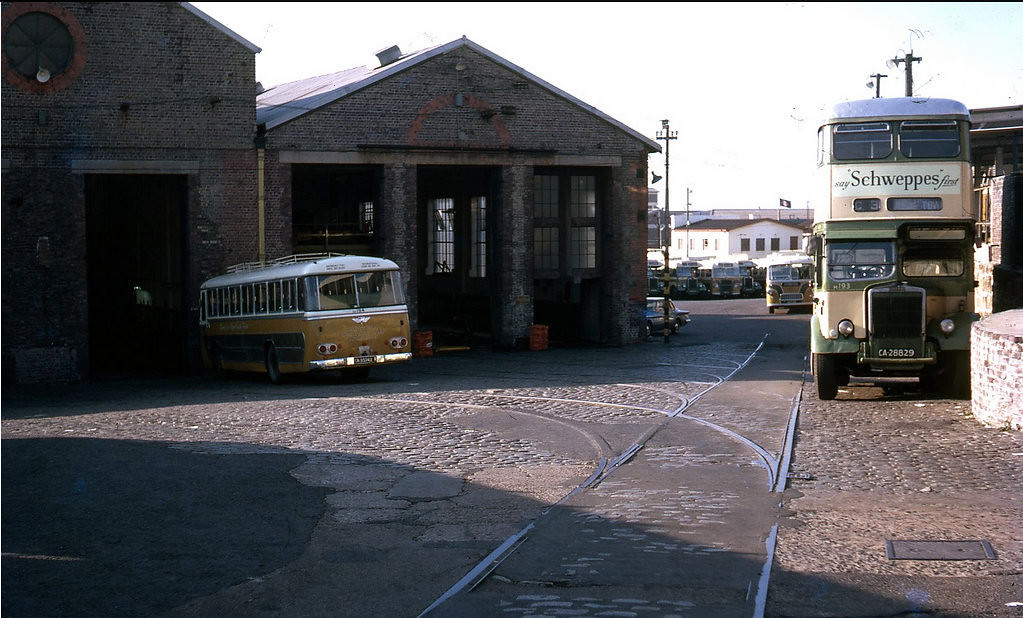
<point x="896" y="353"/>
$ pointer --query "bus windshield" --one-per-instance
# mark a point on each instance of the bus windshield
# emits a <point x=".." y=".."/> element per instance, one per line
<point x="789" y="272"/>
<point x="358" y="290"/>
<point x="861" y="260"/>
<point x="933" y="264"/>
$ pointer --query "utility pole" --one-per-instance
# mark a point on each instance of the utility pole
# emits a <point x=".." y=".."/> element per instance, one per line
<point x="688" y="192"/>
<point x="909" y="59"/>
<point x="877" y="84"/>
<point x="667" y="135"/>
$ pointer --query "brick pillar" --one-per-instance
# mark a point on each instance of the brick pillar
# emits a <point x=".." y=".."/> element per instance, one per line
<point x="398" y="228"/>
<point x="625" y="237"/>
<point x="515" y="249"/>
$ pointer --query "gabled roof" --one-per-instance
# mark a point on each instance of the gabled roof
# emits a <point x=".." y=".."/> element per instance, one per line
<point x="219" y="26"/>
<point x="280" y="104"/>
<point x="728" y="225"/>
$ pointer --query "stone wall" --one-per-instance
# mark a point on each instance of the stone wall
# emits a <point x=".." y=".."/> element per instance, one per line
<point x="997" y="370"/>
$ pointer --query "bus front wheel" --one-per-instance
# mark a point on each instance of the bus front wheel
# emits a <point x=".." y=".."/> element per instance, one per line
<point x="273" y="368"/>
<point x="825" y="376"/>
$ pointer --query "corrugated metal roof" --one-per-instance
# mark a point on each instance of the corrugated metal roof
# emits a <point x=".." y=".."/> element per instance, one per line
<point x="219" y="26"/>
<point x="281" y="104"/>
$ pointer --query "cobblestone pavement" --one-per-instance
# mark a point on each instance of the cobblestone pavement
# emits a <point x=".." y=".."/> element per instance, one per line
<point x="196" y="496"/>
<point x="871" y="467"/>
<point x="115" y="492"/>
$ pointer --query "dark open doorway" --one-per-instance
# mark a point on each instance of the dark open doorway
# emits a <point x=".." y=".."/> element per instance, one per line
<point x="136" y="273"/>
<point x="333" y="208"/>
<point x="457" y="207"/>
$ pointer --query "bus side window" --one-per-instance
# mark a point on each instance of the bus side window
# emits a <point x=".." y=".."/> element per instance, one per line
<point x="260" y="289"/>
<point x="288" y="295"/>
<point x="236" y="305"/>
<point x="246" y="299"/>
<point x="275" y="296"/>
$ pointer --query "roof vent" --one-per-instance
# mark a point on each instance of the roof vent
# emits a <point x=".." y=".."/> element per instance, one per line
<point x="388" y="55"/>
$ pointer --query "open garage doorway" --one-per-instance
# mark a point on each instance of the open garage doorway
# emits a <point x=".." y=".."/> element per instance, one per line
<point x="136" y="273"/>
<point x="457" y="284"/>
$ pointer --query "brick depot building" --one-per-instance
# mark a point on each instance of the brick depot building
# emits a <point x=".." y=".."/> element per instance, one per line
<point x="137" y="163"/>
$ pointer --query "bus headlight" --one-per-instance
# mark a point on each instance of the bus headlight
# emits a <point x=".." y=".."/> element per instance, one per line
<point x="327" y="348"/>
<point x="947" y="326"/>
<point x="398" y="342"/>
<point x="846" y="328"/>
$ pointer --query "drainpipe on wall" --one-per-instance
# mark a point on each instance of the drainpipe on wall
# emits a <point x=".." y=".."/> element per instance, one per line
<point x="260" y="201"/>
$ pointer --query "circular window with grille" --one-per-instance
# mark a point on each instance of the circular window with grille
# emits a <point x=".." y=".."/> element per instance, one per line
<point x="43" y="46"/>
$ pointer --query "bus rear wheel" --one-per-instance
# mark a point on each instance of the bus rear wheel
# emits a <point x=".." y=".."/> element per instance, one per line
<point x="825" y="375"/>
<point x="273" y="367"/>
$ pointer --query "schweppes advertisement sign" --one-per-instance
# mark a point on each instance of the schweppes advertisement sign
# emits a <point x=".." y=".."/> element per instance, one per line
<point x="895" y="180"/>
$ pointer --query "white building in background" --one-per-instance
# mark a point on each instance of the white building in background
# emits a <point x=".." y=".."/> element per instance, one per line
<point x="737" y="239"/>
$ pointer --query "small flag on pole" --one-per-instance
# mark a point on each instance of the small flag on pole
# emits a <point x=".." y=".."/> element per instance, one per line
<point x="785" y="203"/>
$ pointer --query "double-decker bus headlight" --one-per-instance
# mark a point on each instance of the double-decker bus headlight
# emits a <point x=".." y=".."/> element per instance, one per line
<point x="845" y="328"/>
<point x="947" y="326"/>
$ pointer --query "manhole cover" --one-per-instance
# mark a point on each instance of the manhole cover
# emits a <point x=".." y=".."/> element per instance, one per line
<point x="939" y="550"/>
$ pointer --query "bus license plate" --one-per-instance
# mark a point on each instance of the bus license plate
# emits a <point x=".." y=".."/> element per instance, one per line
<point x="364" y="360"/>
<point x="896" y="353"/>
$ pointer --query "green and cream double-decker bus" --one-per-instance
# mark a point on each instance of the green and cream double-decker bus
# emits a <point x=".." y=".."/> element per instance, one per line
<point x="893" y="246"/>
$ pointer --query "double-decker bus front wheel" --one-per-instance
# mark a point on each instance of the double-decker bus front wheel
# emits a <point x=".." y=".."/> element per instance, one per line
<point x="825" y="375"/>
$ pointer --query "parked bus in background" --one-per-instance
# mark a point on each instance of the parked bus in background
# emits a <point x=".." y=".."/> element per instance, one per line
<point x="893" y="246"/>
<point x="687" y="284"/>
<point x="789" y="283"/>
<point x="751" y="285"/>
<point x="723" y="279"/>
<point x="305" y="313"/>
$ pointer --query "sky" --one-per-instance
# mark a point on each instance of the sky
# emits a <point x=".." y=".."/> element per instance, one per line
<point x="744" y="86"/>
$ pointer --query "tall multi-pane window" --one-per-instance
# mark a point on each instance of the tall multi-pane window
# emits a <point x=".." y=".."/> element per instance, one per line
<point x="478" y="222"/>
<point x="545" y="248"/>
<point x="546" y="245"/>
<point x="440" y="243"/>
<point x="564" y="221"/>
<point x="545" y="198"/>
<point x="582" y="237"/>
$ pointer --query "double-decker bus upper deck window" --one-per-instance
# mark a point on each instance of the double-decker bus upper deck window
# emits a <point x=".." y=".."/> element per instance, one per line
<point x="898" y="204"/>
<point x="929" y="139"/>
<point x="861" y="261"/>
<point x="862" y="140"/>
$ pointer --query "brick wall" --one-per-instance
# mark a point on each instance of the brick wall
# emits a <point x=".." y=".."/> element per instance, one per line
<point x="157" y="90"/>
<point x="997" y="370"/>
<point x="501" y="119"/>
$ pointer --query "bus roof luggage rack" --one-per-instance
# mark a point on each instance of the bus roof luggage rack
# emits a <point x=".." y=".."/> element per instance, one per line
<point x="288" y="259"/>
